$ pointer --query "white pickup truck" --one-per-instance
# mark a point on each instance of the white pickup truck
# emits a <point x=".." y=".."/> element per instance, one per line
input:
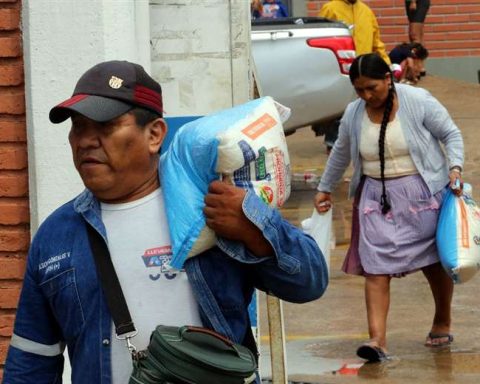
<point x="303" y="63"/>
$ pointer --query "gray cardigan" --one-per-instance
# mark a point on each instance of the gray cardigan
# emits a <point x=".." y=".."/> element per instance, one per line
<point x="425" y="124"/>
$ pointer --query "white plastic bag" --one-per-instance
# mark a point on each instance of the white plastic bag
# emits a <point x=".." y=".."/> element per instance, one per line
<point x="458" y="235"/>
<point x="319" y="226"/>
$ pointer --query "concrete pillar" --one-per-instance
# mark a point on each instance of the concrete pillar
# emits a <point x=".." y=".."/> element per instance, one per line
<point x="62" y="39"/>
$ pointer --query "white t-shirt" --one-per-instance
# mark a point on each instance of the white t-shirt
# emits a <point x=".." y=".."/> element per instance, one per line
<point x="139" y="244"/>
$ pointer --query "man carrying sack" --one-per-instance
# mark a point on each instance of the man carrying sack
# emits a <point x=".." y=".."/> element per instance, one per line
<point x="116" y="133"/>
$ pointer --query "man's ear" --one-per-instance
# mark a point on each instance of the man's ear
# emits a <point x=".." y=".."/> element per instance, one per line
<point x="157" y="130"/>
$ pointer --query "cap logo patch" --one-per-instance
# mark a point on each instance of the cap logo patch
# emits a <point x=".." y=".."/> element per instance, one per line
<point x="115" y="82"/>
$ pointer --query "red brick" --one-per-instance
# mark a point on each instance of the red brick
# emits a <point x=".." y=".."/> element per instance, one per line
<point x="460" y="2"/>
<point x="14" y="212"/>
<point x="437" y="19"/>
<point x="394" y="30"/>
<point x="475" y="18"/>
<point x="392" y="21"/>
<point x="11" y="268"/>
<point x="456" y="53"/>
<point x="452" y="37"/>
<point x="13" y="129"/>
<point x="9" y="18"/>
<point x="469" y="9"/>
<point x="14" y="239"/>
<point x="13" y="184"/>
<point x="8" y="1"/>
<point x="9" y="295"/>
<point x="4" y="343"/>
<point x="457" y="18"/>
<point x="10" y="46"/>
<point x="391" y="12"/>
<point x="454" y="45"/>
<point x="447" y="27"/>
<point x="438" y="53"/>
<point x="6" y="324"/>
<point x="13" y="156"/>
<point x="379" y="3"/>
<point x="390" y="39"/>
<point x="442" y="10"/>
<point x="11" y="73"/>
<point x="12" y="100"/>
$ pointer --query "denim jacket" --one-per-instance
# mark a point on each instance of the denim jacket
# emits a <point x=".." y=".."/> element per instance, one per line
<point x="62" y="303"/>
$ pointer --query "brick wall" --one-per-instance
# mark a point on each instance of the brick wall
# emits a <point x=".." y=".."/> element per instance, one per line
<point x="452" y="27"/>
<point x="14" y="206"/>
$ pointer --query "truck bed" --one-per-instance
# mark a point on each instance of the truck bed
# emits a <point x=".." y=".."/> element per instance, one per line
<point x="305" y="78"/>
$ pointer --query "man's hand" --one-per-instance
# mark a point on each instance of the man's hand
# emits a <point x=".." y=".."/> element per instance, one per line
<point x="224" y="215"/>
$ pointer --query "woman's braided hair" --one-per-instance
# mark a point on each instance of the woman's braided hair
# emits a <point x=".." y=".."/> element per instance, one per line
<point x="373" y="66"/>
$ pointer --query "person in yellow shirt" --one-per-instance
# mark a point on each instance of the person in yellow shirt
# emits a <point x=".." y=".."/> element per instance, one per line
<point x="363" y="23"/>
<point x="366" y="35"/>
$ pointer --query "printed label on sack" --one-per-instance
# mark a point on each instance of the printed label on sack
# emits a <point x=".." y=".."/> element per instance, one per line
<point x="259" y="126"/>
<point x="279" y="166"/>
<point x="266" y="174"/>
<point x="266" y="194"/>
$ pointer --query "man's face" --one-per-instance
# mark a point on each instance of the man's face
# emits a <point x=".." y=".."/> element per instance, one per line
<point x="117" y="160"/>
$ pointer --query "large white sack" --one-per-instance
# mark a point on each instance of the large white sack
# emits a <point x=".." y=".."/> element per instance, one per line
<point x="458" y="235"/>
<point x="244" y="145"/>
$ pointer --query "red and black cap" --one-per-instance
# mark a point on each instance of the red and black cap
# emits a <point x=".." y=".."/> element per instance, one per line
<point x="109" y="90"/>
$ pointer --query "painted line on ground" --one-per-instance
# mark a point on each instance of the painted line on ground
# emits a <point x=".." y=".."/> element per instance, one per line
<point x="358" y="336"/>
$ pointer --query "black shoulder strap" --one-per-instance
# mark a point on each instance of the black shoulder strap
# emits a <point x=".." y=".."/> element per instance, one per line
<point x="111" y="286"/>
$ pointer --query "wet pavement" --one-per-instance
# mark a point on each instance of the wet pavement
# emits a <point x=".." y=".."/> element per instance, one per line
<point x="322" y="336"/>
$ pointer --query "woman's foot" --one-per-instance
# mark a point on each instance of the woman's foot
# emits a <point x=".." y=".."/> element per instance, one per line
<point x="438" y="339"/>
<point x="372" y="352"/>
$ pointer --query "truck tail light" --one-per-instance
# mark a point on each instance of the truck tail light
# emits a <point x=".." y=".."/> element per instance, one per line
<point x="342" y="47"/>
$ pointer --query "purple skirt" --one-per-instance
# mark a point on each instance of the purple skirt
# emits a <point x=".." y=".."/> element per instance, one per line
<point x="403" y="240"/>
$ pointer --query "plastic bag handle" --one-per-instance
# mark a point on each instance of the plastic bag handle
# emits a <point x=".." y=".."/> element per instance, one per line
<point x="190" y="328"/>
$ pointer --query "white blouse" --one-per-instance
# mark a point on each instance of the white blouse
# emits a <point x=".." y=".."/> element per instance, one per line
<point x="398" y="161"/>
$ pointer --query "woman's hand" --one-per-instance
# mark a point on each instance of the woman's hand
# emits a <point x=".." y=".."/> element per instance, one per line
<point x="456" y="182"/>
<point x="322" y="202"/>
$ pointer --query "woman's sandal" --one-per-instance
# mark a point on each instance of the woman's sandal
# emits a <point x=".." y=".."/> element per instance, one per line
<point x="438" y="340"/>
<point x="372" y="353"/>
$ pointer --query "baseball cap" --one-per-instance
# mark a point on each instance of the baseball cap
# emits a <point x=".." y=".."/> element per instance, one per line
<point x="108" y="90"/>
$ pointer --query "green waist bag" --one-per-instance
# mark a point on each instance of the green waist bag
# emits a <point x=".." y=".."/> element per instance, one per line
<point x="192" y="355"/>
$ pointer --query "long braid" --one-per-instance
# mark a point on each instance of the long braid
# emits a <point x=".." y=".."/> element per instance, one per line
<point x="381" y="147"/>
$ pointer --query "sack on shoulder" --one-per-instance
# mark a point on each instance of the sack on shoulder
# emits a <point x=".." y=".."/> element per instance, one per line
<point x="193" y="355"/>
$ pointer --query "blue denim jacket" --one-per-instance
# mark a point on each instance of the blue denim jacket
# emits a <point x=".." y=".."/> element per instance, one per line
<point x="62" y="302"/>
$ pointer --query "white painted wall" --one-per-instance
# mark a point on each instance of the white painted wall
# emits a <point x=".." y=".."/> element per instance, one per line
<point x="200" y="53"/>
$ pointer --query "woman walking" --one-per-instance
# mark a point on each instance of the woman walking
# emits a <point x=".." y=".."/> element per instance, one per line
<point x="392" y="134"/>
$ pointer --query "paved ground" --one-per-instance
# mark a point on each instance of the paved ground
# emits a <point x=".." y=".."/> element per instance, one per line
<point x="323" y="335"/>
